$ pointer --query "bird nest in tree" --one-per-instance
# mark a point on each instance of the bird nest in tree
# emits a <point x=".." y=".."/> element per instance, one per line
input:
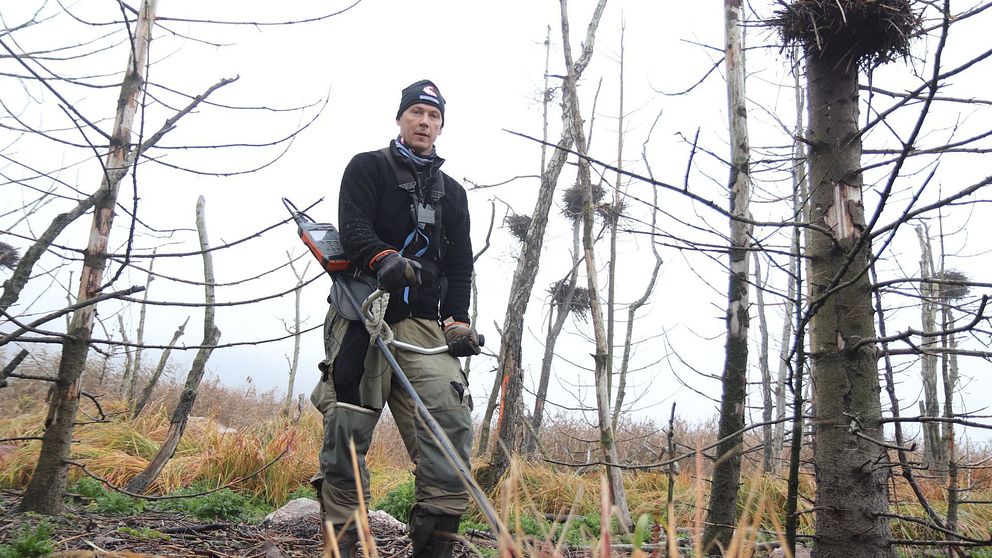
<point x="864" y="32"/>
<point x="574" y="197"/>
<point x="607" y="211"/>
<point x="580" y="303"/>
<point x="953" y="291"/>
<point x="8" y="256"/>
<point x="518" y="225"/>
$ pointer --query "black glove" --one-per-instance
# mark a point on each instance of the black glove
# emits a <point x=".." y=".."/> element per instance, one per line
<point x="462" y="339"/>
<point x="396" y="272"/>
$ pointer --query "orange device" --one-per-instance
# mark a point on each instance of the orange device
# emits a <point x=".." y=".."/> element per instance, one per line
<point x="322" y="239"/>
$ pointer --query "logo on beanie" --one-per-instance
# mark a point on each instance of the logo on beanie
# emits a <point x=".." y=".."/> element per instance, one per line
<point x="429" y="89"/>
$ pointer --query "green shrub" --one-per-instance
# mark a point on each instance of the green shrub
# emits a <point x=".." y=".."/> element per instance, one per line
<point x="225" y="505"/>
<point x="29" y="543"/>
<point x="398" y="501"/>
<point x="90" y="488"/>
<point x="117" y="503"/>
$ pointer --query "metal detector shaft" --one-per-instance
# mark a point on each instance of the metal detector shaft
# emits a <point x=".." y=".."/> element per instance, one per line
<point x="435" y="429"/>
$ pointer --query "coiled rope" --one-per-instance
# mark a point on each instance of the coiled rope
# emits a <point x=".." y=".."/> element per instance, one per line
<point x="375" y="321"/>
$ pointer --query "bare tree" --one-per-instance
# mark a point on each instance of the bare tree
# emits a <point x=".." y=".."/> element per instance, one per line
<point x="511" y="414"/>
<point x="55" y="80"/>
<point x="607" y="440"/>
<point x="722" y="511"/>
<point x="934" y="457"/>
<point x="139" y="339"/>
<point x="146" y="393"/>
<point x="211" y="336"/>
<point x="851" y="465"/>
<point x="636" y="305"/>
<point x="294" y="330"/>
<point x="48" y="483"/>
<point x="798" y="195"/>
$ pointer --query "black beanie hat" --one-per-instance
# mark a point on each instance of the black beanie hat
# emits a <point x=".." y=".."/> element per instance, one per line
<point x="424" y="91"/>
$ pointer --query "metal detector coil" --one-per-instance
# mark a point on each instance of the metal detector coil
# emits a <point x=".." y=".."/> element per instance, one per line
<point x="322" y="239"/>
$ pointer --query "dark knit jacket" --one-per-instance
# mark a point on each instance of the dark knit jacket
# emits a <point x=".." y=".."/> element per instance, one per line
<point x="374" y="214"/>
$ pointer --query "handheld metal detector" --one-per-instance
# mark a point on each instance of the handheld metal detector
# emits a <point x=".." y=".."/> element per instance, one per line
<point x="322" y="239"/>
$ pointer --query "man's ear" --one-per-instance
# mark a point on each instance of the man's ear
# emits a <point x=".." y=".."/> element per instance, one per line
<point x="397" y="121"/>
<point x="441" y="129"/>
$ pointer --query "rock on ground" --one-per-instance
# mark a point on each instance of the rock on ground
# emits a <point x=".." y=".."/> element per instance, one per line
<point x="801" y="552"/>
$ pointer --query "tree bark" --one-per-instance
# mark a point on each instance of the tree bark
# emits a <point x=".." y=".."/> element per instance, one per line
<point x="211" y="336"/>
<point x="722" y="512"/>
<point x="48" y="483"/>
<point x="851" y="470"/>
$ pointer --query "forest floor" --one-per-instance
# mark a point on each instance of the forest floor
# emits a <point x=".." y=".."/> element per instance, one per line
<point x="79" y="532"/>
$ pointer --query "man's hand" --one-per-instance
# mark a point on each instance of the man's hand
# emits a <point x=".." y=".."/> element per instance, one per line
<point x="462" y="339"/>
<point x="396" y="272"/>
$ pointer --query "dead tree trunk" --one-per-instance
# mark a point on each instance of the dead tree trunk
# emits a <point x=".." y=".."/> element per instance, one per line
<point x="851" y="468"/>
<point x="295" y="332"/>
<point x="637" y="304"/>
<point x="494" y="394"/>
<point x="551" y="340"/>
<point x="211" y="335"/>
<point x="511" y="380"/>
<point x="128" y="358"/>
<point x="607" y="441"/>
<point x="799" y="194"/>
<point x="764" y="366"/>
<point x="146" y="394"/>
<point x="933" y="446"/>
<point x="612" y="219"/>
<point x="722" y="512"/>
<point x="48" y="483"/>
<point x="140" y="334"/>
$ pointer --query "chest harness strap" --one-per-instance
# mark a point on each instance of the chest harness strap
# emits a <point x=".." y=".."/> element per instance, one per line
<point x="424" y="211"/>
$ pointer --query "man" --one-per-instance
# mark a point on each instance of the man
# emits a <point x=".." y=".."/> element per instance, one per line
<point x="405" y="227"/>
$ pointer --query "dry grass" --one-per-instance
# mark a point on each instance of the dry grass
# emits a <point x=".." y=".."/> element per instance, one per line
<point x="239" y="431"/>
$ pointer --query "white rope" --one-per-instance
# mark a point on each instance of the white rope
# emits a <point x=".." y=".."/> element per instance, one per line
<point x="376" y="322"/>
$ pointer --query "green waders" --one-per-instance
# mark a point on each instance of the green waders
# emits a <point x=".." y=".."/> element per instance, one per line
<point x="441" y="497"/>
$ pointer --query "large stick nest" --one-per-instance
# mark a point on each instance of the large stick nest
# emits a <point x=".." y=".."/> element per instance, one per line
<point x="580" y="305"/>
<point x="518" y="225"/>
<point x="864" y="32"/>
<point x="953" y="291"/>
<point x="575" y="197"/>
<point x="8" y="256"/>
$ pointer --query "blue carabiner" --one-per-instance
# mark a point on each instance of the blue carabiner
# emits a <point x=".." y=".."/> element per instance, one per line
<point x="409" y="240"/>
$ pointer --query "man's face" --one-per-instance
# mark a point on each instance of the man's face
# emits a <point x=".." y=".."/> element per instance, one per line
<point x="420" y="125"/>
